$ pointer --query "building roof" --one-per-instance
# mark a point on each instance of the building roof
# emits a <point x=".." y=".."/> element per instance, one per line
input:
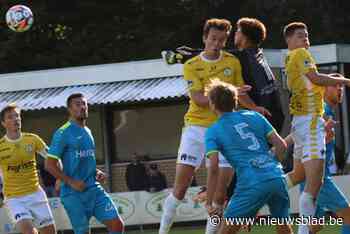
<point x="103" y="93"/>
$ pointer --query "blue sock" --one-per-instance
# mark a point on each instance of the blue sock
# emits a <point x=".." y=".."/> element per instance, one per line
<point x="345" y="229"/>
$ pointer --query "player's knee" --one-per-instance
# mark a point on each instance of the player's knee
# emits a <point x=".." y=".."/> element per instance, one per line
<point x="30" y="231"/>
<point x="179" y="192"/>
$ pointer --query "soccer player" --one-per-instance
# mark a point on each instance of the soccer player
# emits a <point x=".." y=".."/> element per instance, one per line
<point x="306" y="85"/>
<point x="81" y="193"/>
<point x="249" y="36"/>
<point x="198" y="71"/>
<point x="25" y="200"/>
<point x="243" y="138"/>
<point x="330" y="197"/>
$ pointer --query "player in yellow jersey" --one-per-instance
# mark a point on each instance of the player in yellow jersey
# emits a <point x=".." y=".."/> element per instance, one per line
<point x="25" y="200"/>
<point x="213" y="62"/>
<point x="306" y="85"/>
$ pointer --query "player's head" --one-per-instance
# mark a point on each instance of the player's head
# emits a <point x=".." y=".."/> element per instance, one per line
<point x="11" y="117"/>
<point x="77" y="106"/>
<point x="223" y="97"/>
<point x="249" y="32"/>
<point x="215" y="34"/>
<point x="296" y="35"/>
<point x="334" y="94"/>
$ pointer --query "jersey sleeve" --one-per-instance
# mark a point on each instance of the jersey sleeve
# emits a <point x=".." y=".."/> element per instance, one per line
<point x="211" y="144"/>
<point x="305" y="61"/>
<point x="57" y="145"/>
<point x="40" y="147"/>
<point x="268" y="128"/>
<point x="193" y="81"/>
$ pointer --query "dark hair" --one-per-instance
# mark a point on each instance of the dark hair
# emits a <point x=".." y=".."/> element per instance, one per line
<point x="8" y="108"/>
<point x="253" y="29"/>
<point x="224" y="96"/>
<point x="290" y="28"/>
<point x="72" y="96"/>
<point x="219" y="24"/>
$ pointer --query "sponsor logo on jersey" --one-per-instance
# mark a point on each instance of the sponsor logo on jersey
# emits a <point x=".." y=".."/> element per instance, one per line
<point x="29" y="148"/>
<point x="85" y="153"/>
<point x="4" y="149"/>
<point x="19" y="167"/>
<point x="228" y="71"/>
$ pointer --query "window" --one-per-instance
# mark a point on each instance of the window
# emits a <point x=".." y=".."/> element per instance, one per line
<point x="154" y="131"/>
<point x="45" y="122"/>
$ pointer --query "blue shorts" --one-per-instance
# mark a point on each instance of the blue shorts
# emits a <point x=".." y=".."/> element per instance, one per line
<point x="80" y="207"/>
<point x="330" y="198"/>
<point x="247" y="202"/>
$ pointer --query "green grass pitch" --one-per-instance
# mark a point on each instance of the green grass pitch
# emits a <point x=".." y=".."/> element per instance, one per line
<point x="255" y="230"/>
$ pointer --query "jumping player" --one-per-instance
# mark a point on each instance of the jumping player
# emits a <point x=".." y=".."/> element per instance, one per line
<point x="243" y="138"/>
<point x="198" y="71"/>
<point x="330" y="198"/>
<point x="306" y="85"/>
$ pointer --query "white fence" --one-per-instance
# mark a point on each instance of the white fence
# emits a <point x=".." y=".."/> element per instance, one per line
<point x="138" y="208"/>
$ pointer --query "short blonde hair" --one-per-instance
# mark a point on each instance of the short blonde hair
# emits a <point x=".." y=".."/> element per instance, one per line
<point x="224" y="96"/>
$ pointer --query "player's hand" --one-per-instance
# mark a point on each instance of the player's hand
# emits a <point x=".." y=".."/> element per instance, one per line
<point x="329" y="124"/>
<point x="213" y="210"/>
<point x="210" y="209"/>
<point x="100" y="176"/>
<point x="243" y="90"/>
<point x="185" y="50"/>
<point x="200" y="197"/>
<point x="262" y="110"/>
<point x="77" y="185"/>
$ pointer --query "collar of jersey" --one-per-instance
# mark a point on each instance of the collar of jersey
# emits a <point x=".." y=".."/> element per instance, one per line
<point x="13" y="141"/>
<point x="209" y="60"/>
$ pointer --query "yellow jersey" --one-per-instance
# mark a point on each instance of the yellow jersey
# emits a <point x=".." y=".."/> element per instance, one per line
<point x="198" y="73"/>
<point x="18" y="164"/>
<point x="307" y="98"/>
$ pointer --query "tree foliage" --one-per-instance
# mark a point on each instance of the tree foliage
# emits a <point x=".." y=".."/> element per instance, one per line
<point x="72" y="33"/>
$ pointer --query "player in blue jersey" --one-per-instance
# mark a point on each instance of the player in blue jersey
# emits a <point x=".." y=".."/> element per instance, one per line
<point x="330" y="198"/>
<point x="81" y="193"/>
<point x="243" y="138"/>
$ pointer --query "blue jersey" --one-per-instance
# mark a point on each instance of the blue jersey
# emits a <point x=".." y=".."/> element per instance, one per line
<point x="75" y="146"/>
<point x="242" y="138"/>
<point x="330" y="147"/>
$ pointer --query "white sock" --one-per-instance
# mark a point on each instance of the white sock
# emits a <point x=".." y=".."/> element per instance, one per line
<point x="211" y="229"/>
<point x="303" y="229"/>
<point x="289" y="182"/>
<point x="169" y="211"/>
<point x="306" y="204"/>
